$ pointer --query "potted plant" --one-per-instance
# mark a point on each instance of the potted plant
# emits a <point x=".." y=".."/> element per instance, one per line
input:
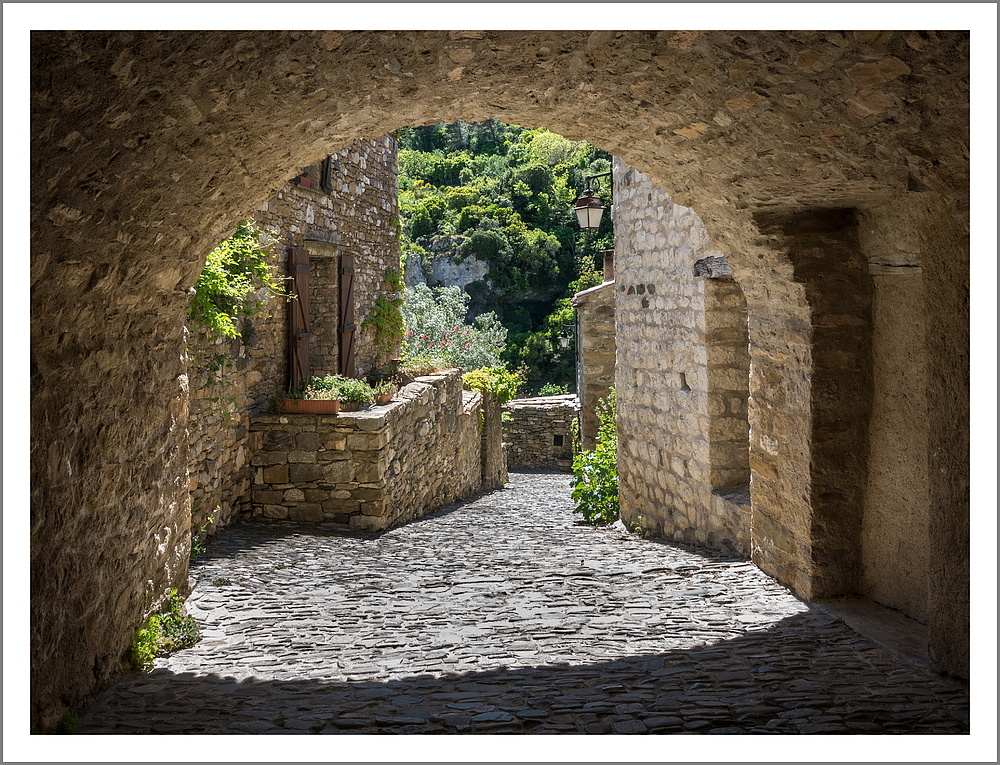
<point x="319" y="395"/>
<point x="384" y="391"/>
<point x="354" y="394"/>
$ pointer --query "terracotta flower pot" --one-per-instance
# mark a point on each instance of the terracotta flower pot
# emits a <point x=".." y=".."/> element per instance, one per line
<point x="351" y="406"/>
<point x="383" y="398"/>
<point x="308" y="406"/>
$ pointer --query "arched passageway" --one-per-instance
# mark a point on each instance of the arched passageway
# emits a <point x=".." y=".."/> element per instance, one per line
<point x="147" y="147"/>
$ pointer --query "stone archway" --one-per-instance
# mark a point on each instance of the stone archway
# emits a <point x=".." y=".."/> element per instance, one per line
<point x="147" y="146"/>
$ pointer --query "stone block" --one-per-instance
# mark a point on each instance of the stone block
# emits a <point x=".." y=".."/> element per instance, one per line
<point x="306" y="473"/>
<point x="294" y="495"/>
<point x="262" y="496"/>
<point x="339" y="472"/>
<point x="367" y="441"/>
<point x="308" y="442"/>
<point x="369" y="472"/>
<point x="275" y="474"/>
<point x="274" y="440"/>
<point x="301" y="457"/>
<point x="365" y="522"/>
<point x="308" y="512"/>
<point x="276" y="512"/>
<point x="269" y="458"/>
<point x="374" y="507"/>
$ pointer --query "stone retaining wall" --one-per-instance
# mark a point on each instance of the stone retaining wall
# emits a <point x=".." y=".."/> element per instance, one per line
<point x="375" y="468"/>
<point x="539" y="432"/>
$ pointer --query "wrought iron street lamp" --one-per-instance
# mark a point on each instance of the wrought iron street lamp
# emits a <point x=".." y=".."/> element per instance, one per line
<point x="566" y="335"/>
<point x="590" y="207"/>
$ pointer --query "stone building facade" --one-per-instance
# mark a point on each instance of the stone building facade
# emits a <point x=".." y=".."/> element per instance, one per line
<point x="344" y="205"/>
<point x="538" y="433"/>
<point x="798" y="150"/>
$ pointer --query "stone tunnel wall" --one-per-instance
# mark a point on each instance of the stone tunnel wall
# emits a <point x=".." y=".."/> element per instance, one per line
<point x="372" y="469"/>
<point x="148" y="146"/>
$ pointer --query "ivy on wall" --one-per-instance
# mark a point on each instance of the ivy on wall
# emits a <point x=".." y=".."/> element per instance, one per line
<point x="236" y="281"/>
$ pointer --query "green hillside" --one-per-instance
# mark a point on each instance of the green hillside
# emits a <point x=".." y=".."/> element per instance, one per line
<point x="504" y="194"/>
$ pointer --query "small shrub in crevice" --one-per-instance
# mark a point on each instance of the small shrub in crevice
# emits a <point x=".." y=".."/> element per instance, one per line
<point x="199" y="540"/>
<point x="163" y="633"/>
<point x="595" y="473"/>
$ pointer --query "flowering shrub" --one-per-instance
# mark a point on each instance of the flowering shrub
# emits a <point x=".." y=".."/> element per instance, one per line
<point x="435" y="327"/>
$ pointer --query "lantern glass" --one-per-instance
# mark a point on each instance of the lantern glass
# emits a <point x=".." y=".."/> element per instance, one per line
<point x="589" y="209"/>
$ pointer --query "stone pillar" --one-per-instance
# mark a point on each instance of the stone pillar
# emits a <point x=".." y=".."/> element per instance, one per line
<point x="596" y="346"/>
<point x="493" y="458"/>
<point x="827" y="261"/>
<point x="727" y="339"/>
<point x="923" y="228"/>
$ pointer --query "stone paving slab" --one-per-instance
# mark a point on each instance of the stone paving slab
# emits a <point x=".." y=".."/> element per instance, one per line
<point x="505" y="615"/>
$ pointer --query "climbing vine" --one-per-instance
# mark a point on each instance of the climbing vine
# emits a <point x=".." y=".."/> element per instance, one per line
<point x="385" y="316"/>
<point x="236" y="281"/>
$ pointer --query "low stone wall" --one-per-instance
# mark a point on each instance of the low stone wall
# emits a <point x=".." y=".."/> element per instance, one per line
<point x="376" y="468"/>
<point x="539" y="432"/>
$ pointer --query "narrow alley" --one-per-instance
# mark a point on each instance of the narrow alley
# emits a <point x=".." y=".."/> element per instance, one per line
<point x="504" y="614"/>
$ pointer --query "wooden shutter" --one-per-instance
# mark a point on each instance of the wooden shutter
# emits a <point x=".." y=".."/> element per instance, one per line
<point x="298" y="317"/>
<point x="347" y="326"/>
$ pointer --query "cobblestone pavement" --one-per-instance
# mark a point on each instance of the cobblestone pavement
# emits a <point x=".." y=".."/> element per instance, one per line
<point x="504" y="615"/>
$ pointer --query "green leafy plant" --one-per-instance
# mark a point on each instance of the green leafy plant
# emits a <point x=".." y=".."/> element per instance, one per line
<point x="499" y="381"/>
<point x="420" y="364"/>
<point x="351" y="390"/>
<point x="235" y="281"/>
<point x="67" y="725"/>
<point x="436" y="327"/>
<point x="384" y="386"/>
<point x="551" y="389"/>
<point x="320" y="388"/>
<point x="163" y="633"/>
<point x="595" y="473"/>
<point x="385" y="316"/>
